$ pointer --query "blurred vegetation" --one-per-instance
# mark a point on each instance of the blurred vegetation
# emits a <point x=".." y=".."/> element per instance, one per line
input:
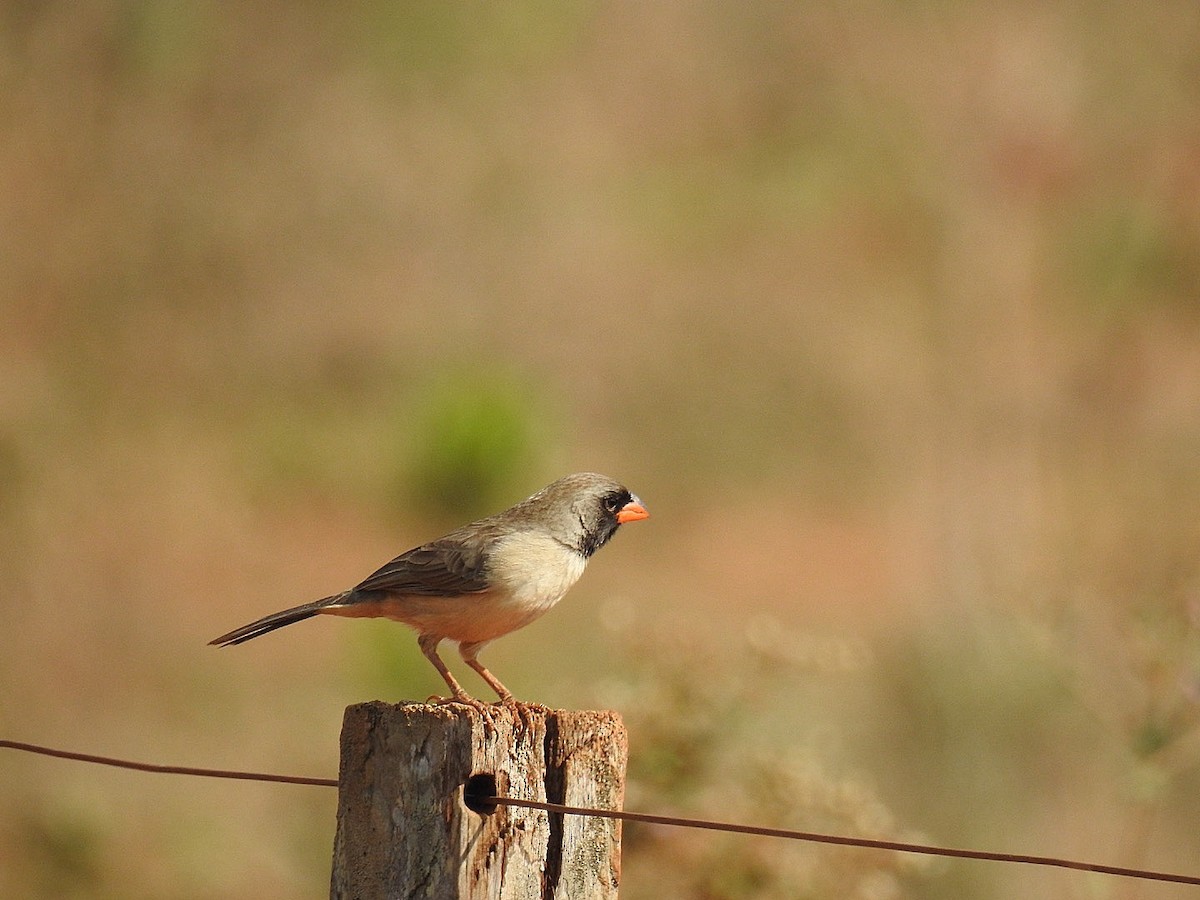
<point x="477" y="439"/>
<point x="888" y="311"/>
<point x="706" y="745"/>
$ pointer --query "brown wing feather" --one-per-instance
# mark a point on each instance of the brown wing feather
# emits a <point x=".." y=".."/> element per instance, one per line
<point x="442" y="568"/>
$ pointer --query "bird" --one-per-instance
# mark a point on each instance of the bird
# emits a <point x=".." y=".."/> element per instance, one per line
<point x="483" y="580"/>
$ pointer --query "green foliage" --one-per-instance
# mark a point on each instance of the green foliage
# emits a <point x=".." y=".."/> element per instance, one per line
<point x="1128" y="255"/>
<point x="473" y="437"/>
<point x="417" y="42"/>
<point x="64" y="851"/>
<point x="462" y="443"/>
<point x="382" y="660"/>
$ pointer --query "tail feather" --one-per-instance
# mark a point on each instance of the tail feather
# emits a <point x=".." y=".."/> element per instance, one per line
<point x="275" y="620"/>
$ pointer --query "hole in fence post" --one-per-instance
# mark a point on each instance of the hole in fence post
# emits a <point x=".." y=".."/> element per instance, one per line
<point x="478" y="791"/>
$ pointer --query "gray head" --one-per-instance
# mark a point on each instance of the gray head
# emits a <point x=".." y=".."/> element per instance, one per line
<point x="584" y="510"/>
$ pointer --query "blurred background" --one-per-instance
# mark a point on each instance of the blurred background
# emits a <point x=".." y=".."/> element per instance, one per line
<point x="889" y="312"/>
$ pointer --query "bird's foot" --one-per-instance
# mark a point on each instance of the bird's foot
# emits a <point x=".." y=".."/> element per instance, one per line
<point x="508" y="702"/>
<point x="524" y="711"/>
<point x="485" y="710"/>
<point x="464" y="698"/>
<point x="512" y="702"/>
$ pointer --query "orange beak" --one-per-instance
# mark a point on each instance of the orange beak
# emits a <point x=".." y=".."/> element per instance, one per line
<point x="632" y="511"/>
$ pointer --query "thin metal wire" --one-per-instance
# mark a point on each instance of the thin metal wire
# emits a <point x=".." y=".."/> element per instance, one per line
<point x="898" y="846"/>
<point x="561" y="809"/>
<point x="167" y="770"/>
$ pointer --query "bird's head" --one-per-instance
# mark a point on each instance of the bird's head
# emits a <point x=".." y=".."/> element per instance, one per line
<point x="584" y="510"/>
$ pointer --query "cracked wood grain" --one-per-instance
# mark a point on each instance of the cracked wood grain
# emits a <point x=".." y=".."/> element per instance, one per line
<point x="403" y="830"/>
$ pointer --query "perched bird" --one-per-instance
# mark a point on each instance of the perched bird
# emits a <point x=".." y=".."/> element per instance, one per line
<point x="484" y="579"/>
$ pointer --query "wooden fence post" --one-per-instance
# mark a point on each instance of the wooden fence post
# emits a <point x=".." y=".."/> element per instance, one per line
<point x="404" y="831"/>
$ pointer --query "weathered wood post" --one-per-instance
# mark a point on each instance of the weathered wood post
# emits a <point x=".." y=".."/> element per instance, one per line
<point x="403" y="829"/>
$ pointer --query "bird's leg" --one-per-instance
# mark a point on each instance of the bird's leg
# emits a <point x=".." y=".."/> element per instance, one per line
<point x="428" y="644"/>
<point x="469" y="653"/>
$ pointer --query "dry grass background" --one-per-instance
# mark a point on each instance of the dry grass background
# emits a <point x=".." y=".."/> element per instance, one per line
<point x="890" y="311"/>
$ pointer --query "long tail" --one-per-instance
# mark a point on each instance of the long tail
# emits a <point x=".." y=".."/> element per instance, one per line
<point x="275" y="620"/>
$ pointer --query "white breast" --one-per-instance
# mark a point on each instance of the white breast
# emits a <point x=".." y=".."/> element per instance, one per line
<point x="531" y="571"/>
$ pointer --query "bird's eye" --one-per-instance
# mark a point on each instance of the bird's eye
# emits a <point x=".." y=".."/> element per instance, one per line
<point x="612" y="504"/>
